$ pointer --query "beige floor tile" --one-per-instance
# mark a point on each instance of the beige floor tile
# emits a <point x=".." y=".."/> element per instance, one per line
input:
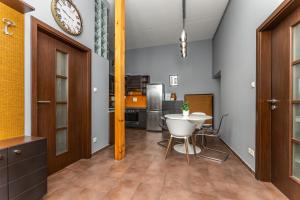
<point x="146" y="175"/>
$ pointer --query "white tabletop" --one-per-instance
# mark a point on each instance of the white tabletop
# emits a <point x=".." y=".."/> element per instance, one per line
<point x="189" y="118"/>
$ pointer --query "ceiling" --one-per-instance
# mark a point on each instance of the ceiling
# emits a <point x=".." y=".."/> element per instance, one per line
<point x="159" y="22"/>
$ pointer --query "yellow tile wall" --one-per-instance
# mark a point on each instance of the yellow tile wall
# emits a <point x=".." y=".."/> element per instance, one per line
<point x="11" y="75"/>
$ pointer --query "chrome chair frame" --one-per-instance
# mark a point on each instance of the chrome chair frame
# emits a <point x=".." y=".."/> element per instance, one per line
<point x="164" y="127"/>
<point x="210" y="132"/>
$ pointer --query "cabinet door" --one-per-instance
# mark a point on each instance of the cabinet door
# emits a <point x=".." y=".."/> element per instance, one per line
<point x="153" y="121"/>
<point x="3" y="158"/>
<point x="142" y="119"/>
<point x="3" y="175"/>
<point x="112" y="128"/>
<point x="3" y="192"/>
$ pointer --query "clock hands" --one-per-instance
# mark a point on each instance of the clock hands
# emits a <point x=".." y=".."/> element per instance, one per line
<point x="68" y="15"/>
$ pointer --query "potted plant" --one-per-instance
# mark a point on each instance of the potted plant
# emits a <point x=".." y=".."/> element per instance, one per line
<point x="185" y="107"/>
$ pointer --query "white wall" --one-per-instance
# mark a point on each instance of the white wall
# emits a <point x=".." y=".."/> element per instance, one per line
<point x="100" y="68"/>
<point x="194" y="73"/>
<point x="235" y="56"/>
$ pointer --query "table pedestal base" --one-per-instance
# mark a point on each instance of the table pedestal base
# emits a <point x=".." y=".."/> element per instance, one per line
<point x="180" y="148"/>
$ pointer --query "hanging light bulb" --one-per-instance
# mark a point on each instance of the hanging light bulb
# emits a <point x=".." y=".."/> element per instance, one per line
<point x="183" y="43"/>
<point x="183" y="36"/>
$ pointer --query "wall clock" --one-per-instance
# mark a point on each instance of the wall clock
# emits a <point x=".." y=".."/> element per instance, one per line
<point x="67" y="16"/>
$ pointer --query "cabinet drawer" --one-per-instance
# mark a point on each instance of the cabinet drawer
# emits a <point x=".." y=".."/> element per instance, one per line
<point x="3" y="158"/>
<point x="27" y="166"/>
<point x="27" y="150"/>
<point x="27" y="182"/>
<point x="3" y="175"/>
<point x="35" y="193"/>
<point x="4" y="192"/>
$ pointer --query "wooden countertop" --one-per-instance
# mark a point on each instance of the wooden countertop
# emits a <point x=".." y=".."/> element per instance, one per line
<point x="17" y="141"/>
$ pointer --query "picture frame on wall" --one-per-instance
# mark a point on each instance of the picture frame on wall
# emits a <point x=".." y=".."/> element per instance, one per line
<point x="173" y="80"/>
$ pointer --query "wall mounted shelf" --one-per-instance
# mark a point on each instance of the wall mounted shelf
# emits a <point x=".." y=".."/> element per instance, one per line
<point x="18" y="5"/>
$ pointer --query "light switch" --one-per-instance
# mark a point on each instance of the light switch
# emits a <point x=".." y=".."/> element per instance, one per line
<point x="95" y="90"/>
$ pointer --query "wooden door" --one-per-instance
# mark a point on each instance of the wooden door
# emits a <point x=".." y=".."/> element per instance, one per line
<point x="60" y="100"/>
<point x="285" y="116"/>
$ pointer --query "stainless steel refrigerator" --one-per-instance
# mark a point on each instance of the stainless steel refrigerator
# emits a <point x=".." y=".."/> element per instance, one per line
<point x="155" y="97"/>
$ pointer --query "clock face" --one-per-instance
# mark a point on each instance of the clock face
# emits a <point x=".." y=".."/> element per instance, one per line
<point x="67" y="16"/>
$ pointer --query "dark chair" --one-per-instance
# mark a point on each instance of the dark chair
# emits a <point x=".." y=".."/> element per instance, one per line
<point x="165" y="132"/>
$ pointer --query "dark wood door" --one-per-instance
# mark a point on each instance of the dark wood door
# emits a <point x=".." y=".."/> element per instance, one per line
<point x="60" y="93"/>
<point x="285" y="119"/>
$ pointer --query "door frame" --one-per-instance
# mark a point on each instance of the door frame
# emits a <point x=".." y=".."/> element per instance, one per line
<point x="36" y="26"/>
<point x="263" y="90"/>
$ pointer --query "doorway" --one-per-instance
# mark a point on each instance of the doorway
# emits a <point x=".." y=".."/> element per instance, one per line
<point x="61" y="95"/>
<point x="278" y="100"/>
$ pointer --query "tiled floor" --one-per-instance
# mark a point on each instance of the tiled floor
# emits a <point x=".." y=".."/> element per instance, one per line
<point x="144" y="174"/>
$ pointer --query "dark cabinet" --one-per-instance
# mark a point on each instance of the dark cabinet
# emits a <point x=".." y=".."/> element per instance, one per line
<point x="23" y="168"/>
<point x="142" y="119"/>
<point x="135" y="118"/>
<point x="137" y="83"/>
<point x="3" y="175"/>
<point x="111" y="84"/>
<point x="172" y="107"/>
<point x="111" y="128"/>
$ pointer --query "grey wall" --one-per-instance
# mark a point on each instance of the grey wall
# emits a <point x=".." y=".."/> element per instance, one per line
<point x="100" y="68"/>
<point x="194" y="72"/>
<point x="235" y="56"/>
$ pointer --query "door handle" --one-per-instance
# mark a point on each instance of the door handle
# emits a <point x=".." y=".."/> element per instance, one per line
<point x="44" y="102"/>
<point x="18" y="152"/>
<point x="272" y="101"/>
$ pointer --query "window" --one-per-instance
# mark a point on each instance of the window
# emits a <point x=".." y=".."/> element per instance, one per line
<point x="101" y="28"/>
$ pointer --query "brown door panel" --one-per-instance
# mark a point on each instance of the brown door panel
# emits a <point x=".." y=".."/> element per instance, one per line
<point x="46" y="93"/>
<point x="282" y="115"/>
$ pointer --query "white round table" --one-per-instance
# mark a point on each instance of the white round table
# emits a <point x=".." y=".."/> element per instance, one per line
<point x="198" y="120"/>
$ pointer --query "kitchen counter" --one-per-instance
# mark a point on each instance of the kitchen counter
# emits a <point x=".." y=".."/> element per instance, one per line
<point x="135" y="108"/>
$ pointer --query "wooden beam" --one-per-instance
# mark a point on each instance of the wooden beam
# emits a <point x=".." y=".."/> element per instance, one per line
<point x="119" y="79"/>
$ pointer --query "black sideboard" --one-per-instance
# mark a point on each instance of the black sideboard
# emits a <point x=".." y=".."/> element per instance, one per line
<point x="23" y="168"/>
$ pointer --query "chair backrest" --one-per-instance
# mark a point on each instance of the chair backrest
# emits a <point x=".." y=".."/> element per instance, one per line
<point x="221" y="122"/>
<point x="169" y="107"/>
<point x="198" y="125"/>
<point x="180" y="128"/>
<point x="199" y="113"/>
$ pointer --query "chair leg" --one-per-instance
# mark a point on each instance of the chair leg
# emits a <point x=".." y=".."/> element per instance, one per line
<point x="169" y="146"/>
<point x="202" y="140"/>
<point x="226" y="154"/>
<point x="205" y="141"/>
<point x="194" y="145"/>
<point x="162" y="143"/>
<point x="186" y="140"/>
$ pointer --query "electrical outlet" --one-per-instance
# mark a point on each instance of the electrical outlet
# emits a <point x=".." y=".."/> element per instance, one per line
<point x="94" y="139"/>
<point x="251" y="152"/>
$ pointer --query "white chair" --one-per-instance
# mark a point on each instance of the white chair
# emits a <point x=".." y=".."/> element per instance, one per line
<point x="198" y="113"/>
<point x="181" y="129"/>
<point x="203" y="125"/>
<point x="199" y="125"/>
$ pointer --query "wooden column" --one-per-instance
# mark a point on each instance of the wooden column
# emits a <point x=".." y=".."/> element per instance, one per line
<point x="119" y="79"/>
